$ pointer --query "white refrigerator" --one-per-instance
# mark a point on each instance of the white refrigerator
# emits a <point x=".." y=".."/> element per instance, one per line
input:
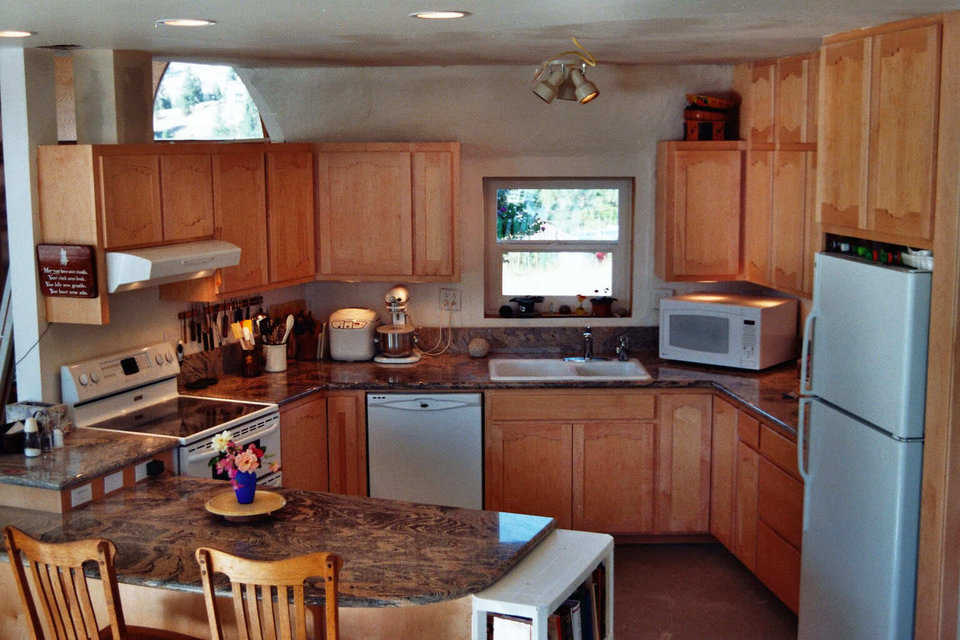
<point x="861" y="446"/>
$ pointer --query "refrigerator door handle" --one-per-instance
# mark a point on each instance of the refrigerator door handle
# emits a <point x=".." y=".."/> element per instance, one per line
<point x="805" y="350"/>
<point x="801" y="467"/>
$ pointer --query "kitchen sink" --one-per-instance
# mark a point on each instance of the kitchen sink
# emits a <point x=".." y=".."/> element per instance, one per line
<point x="548" y="369"/>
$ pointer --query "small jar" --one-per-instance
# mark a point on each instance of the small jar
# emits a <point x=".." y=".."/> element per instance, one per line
<point x="250" y="364"/>
<point x="31" y="443"/>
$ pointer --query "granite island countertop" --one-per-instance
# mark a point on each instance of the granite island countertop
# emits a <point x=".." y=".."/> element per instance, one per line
<point x="394" y="553"/>
<point x="770" y="393"/>
<point x="85" y="454"/>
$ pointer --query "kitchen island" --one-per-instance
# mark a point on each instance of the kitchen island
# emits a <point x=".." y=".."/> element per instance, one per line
<point x="394" y="553"/>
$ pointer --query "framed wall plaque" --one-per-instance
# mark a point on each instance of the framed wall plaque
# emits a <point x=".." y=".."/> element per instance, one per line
<point x="67" y="270"/>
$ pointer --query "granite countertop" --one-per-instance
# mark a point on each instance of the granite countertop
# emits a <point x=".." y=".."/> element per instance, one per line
<point x="764" y="393"/>
<point x="394" y="553"/>
<point x="85" y="454"/>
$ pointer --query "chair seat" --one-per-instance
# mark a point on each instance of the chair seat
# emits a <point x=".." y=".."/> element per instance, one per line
<point x="146" y="633"/>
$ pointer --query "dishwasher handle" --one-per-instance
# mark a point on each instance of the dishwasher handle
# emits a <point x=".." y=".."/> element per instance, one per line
<point x="422" y="404"/>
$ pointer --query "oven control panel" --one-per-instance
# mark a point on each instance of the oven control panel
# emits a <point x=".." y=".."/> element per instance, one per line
<point x="117" y="372"/>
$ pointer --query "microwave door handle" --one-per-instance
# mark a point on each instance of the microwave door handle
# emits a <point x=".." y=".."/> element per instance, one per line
<point x="808" y="327"/>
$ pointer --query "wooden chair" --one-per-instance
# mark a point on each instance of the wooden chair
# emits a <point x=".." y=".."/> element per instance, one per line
<point x="60" y="588"/>
<point x="254" y="581"/>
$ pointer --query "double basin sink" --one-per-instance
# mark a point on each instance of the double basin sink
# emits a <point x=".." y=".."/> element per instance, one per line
<point x="550" y="369"/>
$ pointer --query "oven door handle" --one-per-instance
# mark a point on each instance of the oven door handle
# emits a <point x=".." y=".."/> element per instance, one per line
<point x="197" y="457"/>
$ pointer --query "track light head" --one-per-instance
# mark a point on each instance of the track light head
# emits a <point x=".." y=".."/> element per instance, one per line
<point x="562" y="77"/>
<point x="584" y="90"/>
<point x="547" y="83"/>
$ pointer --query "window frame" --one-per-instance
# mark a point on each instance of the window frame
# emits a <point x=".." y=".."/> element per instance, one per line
<point x="622" y="248"/>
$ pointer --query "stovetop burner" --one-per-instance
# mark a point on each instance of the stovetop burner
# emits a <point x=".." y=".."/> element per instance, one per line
<point x="180" y="417"/>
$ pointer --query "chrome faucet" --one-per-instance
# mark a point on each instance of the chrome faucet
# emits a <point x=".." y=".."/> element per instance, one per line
<point x="587" y="343"/>
<point x="623" y="343"/>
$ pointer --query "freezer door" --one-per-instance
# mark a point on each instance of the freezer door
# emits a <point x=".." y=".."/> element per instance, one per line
<point x="862" y="509"/>
<point x="870" y="341"/>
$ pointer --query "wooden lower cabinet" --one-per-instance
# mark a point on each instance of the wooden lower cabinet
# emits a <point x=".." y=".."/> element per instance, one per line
<point x="613" y="476"/>
<point x="529" y="468"/>
<point x="723" y="472"/>
<point x="347" y="434"/>
<point x="745" y="536"/>
<point x="324" y="444"/>
<point x="683" y="464"/>
<point x="778" y="565"/>
<point x="303" y="443"/>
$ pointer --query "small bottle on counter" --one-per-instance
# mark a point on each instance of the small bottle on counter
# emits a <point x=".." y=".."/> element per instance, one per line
<point x="31" y="443"/>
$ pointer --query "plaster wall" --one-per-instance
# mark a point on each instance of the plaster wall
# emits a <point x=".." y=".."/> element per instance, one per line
<point x="504" y="131"/>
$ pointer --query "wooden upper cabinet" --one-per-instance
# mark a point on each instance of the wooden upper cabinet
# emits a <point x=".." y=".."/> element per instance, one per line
<point x="241" y="216"/>
<point x="903" y="132"/>
<point x="788" y="220"/>
<point x="812" y="237"/>
<point x="796" y="100"/>
<point x="698" y="211"/>
<point x="756" y="215"/>
<point x="130" y="193"/>
<point x="364" y="218"/>
<point x="613" y="476"/>
<point x="303" y="442"/>
<point x="187" y="196"/>
<point x="290" y="216"/>
<point x="762" y="107"/>
<point x="528" y="469"/>
<point x="683" y="464"/>
<point x="844" y="132"/>
<point x="434" y="212"/>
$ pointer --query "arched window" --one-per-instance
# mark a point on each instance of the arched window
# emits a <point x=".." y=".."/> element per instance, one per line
<point x="204" y="102"/>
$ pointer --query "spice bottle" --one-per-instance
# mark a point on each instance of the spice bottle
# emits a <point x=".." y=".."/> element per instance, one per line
<point x="31" y="443"/>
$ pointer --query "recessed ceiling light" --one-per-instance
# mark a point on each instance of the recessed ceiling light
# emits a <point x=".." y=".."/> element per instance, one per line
<point x="16" y="33"/>
<point x="184" y="22"/>
<point x="446" y="14"/>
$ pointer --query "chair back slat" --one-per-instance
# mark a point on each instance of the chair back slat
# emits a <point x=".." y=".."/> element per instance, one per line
<point x="47" y="607"/>
<point x="63" y="605"/>
<point x="269" y="620"/>
<point x="256" y="615"/>
<point x="86" y="607"/>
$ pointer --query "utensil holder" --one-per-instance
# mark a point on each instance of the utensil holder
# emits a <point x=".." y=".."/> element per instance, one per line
<point x="275" y="357"/>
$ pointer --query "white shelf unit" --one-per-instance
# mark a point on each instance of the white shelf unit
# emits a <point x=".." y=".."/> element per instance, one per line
<point x="544" y="579"/>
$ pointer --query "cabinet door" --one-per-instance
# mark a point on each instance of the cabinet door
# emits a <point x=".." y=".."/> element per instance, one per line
<point x="780" y="502"/>
<point x="347" y="434"/>
<point x="290" y="218"/>
<point x="778" y="566"/>
<point x="843" y="132"/>
<point x="434" y="213"/>
<point x="187" y="196"/>
<point x="364" y="213"/>
<point x="745" y="530"/>
<point x="812" y="237"/>
<point x="756" y="216"/>
<point x="905" y="89"/>
<point x="762" y="103"/>
<point x="528" y="469"/>
<point x="683" y="464"/>
<point x="723" y="472"/>
<point x="791" y="100"/>
<point x="613" y="476"/>
<point x="706" y="213"/>
<point x="789" y="193"/>
<point x="303" y="440"/>
<point x="241" y="216"/>
<point x="130" y="192"/>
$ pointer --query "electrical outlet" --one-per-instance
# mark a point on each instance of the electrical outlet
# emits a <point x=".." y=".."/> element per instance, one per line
<point x="449" y="299"/>
<point x="659" y="294"/>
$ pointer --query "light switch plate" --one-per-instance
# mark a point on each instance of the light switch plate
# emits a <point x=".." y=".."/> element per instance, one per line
<point x="659" y="294"/>
<point x="81" y="495"/>
<point x="140" y="472"/>
<point x="449" y="299"/>
<point x="112" y="482"/>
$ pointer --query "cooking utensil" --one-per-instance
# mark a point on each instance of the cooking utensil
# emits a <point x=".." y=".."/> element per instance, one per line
<point x="286" y="334"/>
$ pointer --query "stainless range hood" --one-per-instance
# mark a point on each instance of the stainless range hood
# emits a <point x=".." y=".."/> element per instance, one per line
<point x="138" y="268"/>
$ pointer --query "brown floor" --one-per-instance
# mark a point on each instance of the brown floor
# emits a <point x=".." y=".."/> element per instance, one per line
<point x="695" y="592"/>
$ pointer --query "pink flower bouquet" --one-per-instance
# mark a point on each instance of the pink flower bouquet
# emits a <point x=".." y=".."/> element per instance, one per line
<point x="234" y="458"/>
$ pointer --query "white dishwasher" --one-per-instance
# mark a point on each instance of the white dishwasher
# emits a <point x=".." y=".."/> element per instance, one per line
<point x="426" y="448"/>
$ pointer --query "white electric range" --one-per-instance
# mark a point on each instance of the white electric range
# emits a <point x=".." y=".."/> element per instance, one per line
<point x="135" y="392"/>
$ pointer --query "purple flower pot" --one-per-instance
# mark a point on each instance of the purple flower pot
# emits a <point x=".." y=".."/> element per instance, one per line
<point x="246" y="486"/>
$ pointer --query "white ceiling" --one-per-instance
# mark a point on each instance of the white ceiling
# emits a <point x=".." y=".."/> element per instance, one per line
<point x="378" y="32"/>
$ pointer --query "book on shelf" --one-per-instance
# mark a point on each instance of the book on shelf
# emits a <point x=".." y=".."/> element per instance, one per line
<point x="503" y="627"/>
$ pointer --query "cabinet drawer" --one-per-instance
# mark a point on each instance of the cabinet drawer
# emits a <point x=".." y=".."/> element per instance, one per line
<point x="778" y="566"/>
<point x="748" y="430"/>
<point x="570" y="406"/>
<point x="780" y="502"/>
<point x="780" y="450"/>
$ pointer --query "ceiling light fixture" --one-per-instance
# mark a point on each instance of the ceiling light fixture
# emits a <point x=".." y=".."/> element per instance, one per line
<point x="446" y="14"/>
<point x="16" y="33"/>
<point x="184" y="22"/>
<point x="562" y="76"/>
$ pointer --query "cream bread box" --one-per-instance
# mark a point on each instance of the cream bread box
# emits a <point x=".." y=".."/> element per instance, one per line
<point x="352" y="334"/>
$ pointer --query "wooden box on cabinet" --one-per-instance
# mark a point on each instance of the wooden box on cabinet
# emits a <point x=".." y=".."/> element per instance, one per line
<point x="388" y="211"/>
<point x="698" y="210"/>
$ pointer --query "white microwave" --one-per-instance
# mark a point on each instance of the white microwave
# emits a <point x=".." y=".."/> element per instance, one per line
<point x="746" y="332"/>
